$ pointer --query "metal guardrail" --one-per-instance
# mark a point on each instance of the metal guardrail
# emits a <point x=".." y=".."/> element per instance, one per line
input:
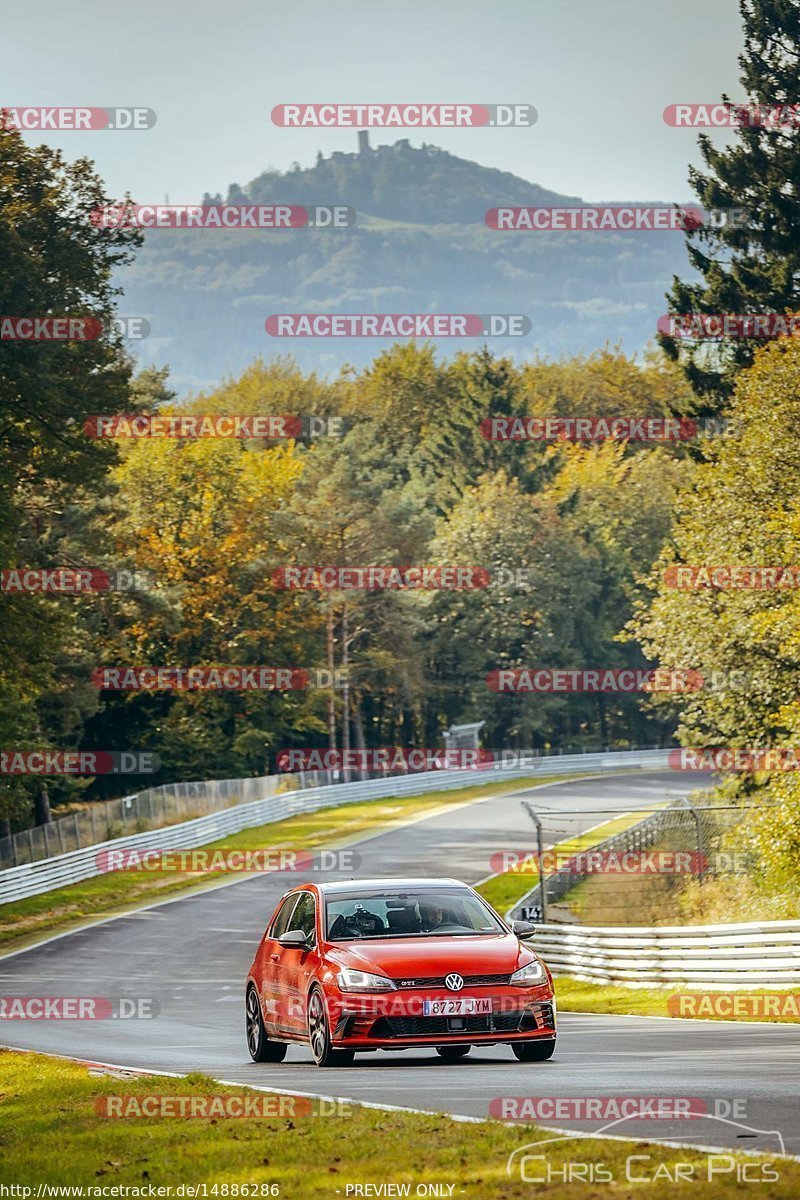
<point x="151" y="809"/>
<point x="715" y="957"/>
<point x="31" y="879"/>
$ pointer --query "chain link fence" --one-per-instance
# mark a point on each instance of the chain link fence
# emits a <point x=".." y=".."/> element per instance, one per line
<point x="639" y="874"/>
<point x="151" y="809"/>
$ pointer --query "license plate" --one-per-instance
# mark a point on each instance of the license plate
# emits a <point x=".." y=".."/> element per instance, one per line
<point x="465" y="1006"/>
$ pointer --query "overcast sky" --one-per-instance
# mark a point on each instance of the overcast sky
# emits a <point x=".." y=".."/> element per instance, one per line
<point x="599" y="72"/>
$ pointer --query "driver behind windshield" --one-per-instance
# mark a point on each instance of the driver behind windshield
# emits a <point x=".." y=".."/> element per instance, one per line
<point x="431" y="914"/>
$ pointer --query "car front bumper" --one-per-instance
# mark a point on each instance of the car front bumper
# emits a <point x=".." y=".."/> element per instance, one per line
<point x="396" y="1019"/>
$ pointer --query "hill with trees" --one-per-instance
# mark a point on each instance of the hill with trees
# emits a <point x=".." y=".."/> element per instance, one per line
<point x="420" y="244"/>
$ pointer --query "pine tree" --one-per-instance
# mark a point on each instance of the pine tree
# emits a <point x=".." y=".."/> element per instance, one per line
<point x="752" y="265"/>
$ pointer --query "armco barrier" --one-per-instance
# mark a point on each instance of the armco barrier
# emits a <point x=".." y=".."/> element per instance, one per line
<point x="714" y="957"/>
<point x="31" y="879"/>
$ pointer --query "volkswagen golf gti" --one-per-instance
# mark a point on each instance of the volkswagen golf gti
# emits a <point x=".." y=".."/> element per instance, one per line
<point x="395" y="964"/>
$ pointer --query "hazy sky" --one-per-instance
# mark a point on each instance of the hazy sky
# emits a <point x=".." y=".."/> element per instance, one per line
<point x="599" y="72"/>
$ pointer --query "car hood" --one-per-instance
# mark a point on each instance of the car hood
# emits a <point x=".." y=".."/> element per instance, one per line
<point x="416" y="957"/>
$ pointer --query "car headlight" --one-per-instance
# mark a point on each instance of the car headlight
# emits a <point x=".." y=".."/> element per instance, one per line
<point x="527" y="976"/>
<point x="362" y="981"/>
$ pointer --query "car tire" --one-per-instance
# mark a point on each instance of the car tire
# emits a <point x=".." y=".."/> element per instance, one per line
<point x="453" y="1053"/>
<point x="538" y="1051"/>
<point x="319" y="1034"/>
<point x="260" y="1047"/>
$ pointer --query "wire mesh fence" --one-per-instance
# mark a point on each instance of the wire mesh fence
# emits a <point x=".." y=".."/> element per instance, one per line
<point x="150" y="809"/>
<point x="640" y="867"/>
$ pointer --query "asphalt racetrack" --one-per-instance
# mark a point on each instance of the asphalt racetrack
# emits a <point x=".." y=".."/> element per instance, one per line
<point x="192" y="954"/>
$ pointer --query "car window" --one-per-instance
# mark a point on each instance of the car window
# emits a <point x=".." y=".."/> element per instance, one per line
<point x="281" y="921"/>
<point x="409" y="913"/>
<point x="303" y="915"/>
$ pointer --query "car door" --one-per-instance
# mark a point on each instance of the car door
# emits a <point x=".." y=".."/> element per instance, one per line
<point x="268" y="959"/>
<point x="295" y="965"/>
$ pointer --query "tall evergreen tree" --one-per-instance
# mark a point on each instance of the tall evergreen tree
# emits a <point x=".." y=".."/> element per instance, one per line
<point x="753" y="265"/>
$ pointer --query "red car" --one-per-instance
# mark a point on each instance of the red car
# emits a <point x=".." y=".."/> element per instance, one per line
<point x="395" y="964"/>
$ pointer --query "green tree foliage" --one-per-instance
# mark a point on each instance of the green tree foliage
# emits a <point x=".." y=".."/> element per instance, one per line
<point x="740" y="509"/>
<point x="752" y="266"/>
<point x="53" y="262"/>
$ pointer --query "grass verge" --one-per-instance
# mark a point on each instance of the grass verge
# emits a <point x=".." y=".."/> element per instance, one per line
<point x="52" y="1135"/>
<point x="121" y="891"/>
<point x="578" y="995"/>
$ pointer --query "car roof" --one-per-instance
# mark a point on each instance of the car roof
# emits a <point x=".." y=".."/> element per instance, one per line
<point x="350" y="885"/>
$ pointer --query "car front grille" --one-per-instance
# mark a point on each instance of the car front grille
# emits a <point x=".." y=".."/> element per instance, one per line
<point x="437" y="981"/>
<point x="407" y="1027"/>
<point x="520" y="1020"/>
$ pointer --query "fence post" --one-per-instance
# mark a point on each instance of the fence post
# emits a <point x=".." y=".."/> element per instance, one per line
<point x="77" y="832"/>
<point x="540" y="846"/>
<point x="698" y="839"/>
<point x="46" y="841"/>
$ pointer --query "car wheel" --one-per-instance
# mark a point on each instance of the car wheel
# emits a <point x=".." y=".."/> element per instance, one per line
<point x="453" y="1053"/>
<point x="538" y="1051"/>
<point x="260" y="1047"/>
<point x="319" y="1035"/>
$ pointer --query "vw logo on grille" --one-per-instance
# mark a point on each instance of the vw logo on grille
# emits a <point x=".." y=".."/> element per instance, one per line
<point x="454" y="982"/>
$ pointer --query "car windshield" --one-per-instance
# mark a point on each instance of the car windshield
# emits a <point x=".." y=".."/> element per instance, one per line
<point x="411" y="913"/>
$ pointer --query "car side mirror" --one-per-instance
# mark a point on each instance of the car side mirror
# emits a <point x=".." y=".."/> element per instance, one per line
<point x="295" y="937"/>
<point x="523" y="928"/>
